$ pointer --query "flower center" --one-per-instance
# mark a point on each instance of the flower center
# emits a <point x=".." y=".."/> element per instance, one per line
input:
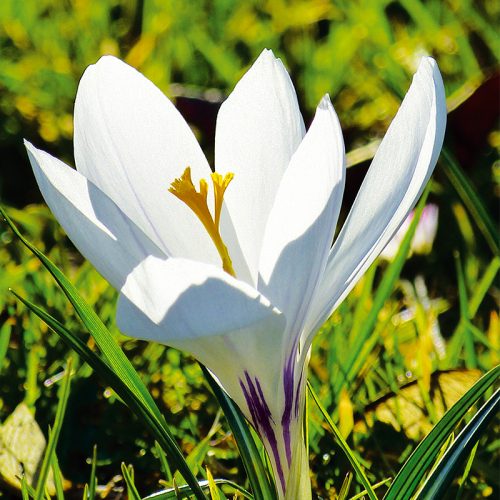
<point x="184" y="189"/>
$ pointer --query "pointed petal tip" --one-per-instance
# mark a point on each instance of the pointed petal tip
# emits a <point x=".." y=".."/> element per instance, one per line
<point x="429" y="69"/>
<point x="266" y="55"/>
<point x="325" y="102"/>
<point x="106" y="62"/>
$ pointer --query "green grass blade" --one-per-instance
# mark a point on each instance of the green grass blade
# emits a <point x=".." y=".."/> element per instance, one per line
<point x="185" y="491"/>
<point x="483" y="285"/>
<point x="93" y="474"/>
<point x="128" y="477"/>
<point x="362" y="494"/>
<point x="467" y="469"/>
<point x="469" y="350"/>
<point x="358" y="469"/>
<point x="115" y="358"/>
<point x="250" y="456"/>
<point x="5" y="334"/>
<point x="58" y="479"/>
<point x="361" y="347"/>
<point x="54" y="434"/>
<point x="471" y="200"/>
<point x="346" y="485"/>
<point x="163" y="462"/>
<point x="112" y="378"/>
<point x="25" y="493"/>
<point x="407" y="480"/>
<point x="446" y="470"/>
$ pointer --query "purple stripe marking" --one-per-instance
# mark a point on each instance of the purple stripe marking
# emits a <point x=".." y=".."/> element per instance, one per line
<point x="288" y="387"/>
<point x="261" y="417"/>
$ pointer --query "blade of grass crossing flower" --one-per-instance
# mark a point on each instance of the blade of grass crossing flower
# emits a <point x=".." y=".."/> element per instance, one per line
<point x="112" y="378"/>
<point x="254" y="467"/>
<point x="358" y="469"/>
<point x="54" y="434"/>
<point x="128" y="476"/>
<point x="471" y="200"/>
<point x="115" y="357"/>
<point x="446" y="470"/>
<point x="356" y="360"/>
<point x="408" y="478"/>
<point x="57" y="478"/>
<point x="185" y="491"/>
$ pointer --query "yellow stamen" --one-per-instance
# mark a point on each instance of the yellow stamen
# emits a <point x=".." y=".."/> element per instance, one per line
<point x="184" y="189"/>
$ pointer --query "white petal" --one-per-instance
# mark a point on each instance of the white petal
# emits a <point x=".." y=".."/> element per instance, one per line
<point x="225" y="323"/>
<point x="184" y="299"/>
<point x="131" y="142"/>
<point x="302" y="221"/>
<point x="402" y="166"/>
<point x="259" y="127"/>
<point x="97" y="227"/>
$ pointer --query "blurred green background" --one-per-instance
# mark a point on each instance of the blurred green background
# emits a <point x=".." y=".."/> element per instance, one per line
<point x="363" y="53"/>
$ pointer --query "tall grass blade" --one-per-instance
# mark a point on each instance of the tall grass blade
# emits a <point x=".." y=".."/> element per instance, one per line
<point x="471" y="199"/>
<point x="407" y="480"/>
<point x="54" y="434"/>
<point x="93" y="474"/>
<point x="115" y="358"/>
<point x="470" y="352"/>
<point x="58" y="479"/>
<point x="25" y="493"/>
<point x="250" y="456"/>
<point x="446" y="470"/>
<point x="358" y="469"/>
<point x="163" y="462"/>
<point x="128" y="477"/>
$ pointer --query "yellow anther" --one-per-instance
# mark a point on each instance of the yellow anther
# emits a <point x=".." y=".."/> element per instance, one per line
<point x="184" y="189"/>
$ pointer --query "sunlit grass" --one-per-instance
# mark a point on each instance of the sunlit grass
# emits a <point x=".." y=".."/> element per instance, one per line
<point x="376" y="367"/>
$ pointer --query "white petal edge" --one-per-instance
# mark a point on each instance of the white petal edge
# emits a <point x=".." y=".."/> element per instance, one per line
<point x="302" y="221"/>
<point x="131" y="142"/>
<point x="397" y="176"/>
<point x="97" y="227"/>
<point x="259" y="127"/>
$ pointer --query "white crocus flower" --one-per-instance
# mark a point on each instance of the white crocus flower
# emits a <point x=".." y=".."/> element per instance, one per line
<point x="243" y="286"/>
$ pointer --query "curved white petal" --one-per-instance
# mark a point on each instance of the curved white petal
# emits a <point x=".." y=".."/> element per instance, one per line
<point x="185" y="299"/>
<point x="225" y="323"/>
<point x="97" y="227"/>
<point x="402" y="166"/>
<point x="259" y="127"/>
<point x="131" y="142"/>
<point x="302" y="221"/>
